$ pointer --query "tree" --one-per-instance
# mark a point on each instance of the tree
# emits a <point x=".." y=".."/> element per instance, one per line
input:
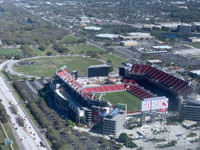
<point x="49" y="53"/>
<point x="21" y="121"/>
<point x="69" y="122"/>
<point x="66" y="146"/>
<point x="42" y="47"/>
<point x="109" y="61"/>
<point x="53" y="134"/>
<point x="82" y="40"/>
<point x="14" y="108"/>
<point x="33" y="78"/>
<point x="131" y="144"/>
<point x="111" y="68"/>
<point x="123" y="137"/>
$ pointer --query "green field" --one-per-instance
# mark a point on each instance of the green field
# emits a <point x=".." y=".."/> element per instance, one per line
<point x="84" y="48"/>
<point x="38" y="52"/>
<point x="196" y="45"/>
<point x="133" y="103"/>
<point x="10" y="51"/>
<point x="47" y="66"/>
<point x="116" y="60"/>
<point x="68" y="39"/>
<point x="10" y="135"/>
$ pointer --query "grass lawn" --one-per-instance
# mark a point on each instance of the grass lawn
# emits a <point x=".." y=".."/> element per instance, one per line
<point x="196" y="45"/>
<point x="133" y="103"/>
<point x="116" y="60"/>
<point x="67" y="39"/>
<point x="38" y="52"/>
<point x="10" y="51"/>
<point x="5" y="76"/>
<point x="83" y="48"/>
<point x="10" y="135"/>
<point x="46" y="67"/>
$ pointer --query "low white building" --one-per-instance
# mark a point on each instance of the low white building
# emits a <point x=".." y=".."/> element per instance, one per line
<point x="193" y="39"/>
<point x="108" y="36"/>
<point x="164" y="47"/>
<point x="93" y="28"/>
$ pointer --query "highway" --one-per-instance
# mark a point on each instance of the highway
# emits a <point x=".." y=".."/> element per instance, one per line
<point x="28" y="136"/>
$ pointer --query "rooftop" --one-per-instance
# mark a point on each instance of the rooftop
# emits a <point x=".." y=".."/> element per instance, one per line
<point x="162" y="47"/>
<point x="116" y="117"/>
<point x="139" y="34"/>
<point x="130" y="41"/>
<point x="108" y="35"/>
<point x="196" y="72"/>
<point x="92" y="28"/>
<point x="154" y="61"/>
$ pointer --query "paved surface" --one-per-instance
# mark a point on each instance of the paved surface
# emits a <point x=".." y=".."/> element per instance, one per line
<point x="28" y="135"/>
<point x="183" y="143"/>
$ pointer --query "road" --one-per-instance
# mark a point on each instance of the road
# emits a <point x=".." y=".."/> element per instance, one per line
<point x="28" y="136"/>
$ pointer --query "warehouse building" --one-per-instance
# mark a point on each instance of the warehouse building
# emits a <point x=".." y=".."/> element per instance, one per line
<point x="137" y="36"/>
<point x="129" y="43"/>
<point x="114" y="122"/>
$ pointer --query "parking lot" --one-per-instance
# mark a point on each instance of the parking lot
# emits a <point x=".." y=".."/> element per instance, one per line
<point x="145" y="136"/>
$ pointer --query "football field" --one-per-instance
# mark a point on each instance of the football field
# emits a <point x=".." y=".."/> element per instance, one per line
<point x="133" y="103"/>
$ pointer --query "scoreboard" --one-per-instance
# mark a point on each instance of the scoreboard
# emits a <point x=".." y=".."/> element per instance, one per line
<point x="98" y="71"/>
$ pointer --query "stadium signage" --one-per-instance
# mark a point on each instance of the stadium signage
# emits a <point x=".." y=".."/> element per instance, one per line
<point x="159" y="104"/>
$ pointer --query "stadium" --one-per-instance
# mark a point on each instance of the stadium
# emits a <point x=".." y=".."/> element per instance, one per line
<point x="95" y="97"/>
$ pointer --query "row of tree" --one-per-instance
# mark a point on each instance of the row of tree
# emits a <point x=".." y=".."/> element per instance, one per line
<point x="3" y="114"/>
<point x="21" y="90"/>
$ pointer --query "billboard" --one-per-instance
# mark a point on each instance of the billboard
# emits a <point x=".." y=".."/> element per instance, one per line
<point x="159" y="104"/>
<point x="98" y="71"/>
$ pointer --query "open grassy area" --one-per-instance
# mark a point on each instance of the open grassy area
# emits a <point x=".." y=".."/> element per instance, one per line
<point x="116" y="60"/>
<point x="9" y="51"/>
<point x="83" y="48"/>
<point x="38" y="52"/>
<point x="46" y="67"/>
<point x="196" y="45"/>
<point x="10" y="135"/>
<point x="133" y="103"/>
<point x="68" y="39"/>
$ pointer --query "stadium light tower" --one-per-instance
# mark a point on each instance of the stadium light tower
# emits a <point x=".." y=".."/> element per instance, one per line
<point x="98" y="93"/>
